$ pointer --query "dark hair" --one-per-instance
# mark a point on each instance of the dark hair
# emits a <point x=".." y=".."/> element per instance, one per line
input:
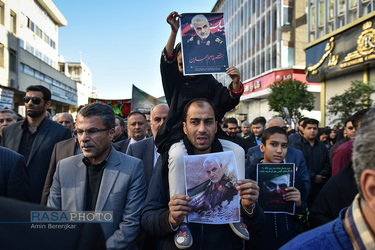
<point x="349" y="119"/>
<point x="358" y="117"/>
<point x="199" y="102"/>
<point x="271" y="131"/>
<point x="231" y="120"/>
<point x="122" y="123"/>
<point x="99" y="109"/>
<point x="259" y="119"/>
<point x="137" y="113"/>
<point x="302" y="119"/>
<point x="46" y="92"/>
<point x="322" y="131"/>
<point x="310" y="121"/>
<point x="177" y="48"/>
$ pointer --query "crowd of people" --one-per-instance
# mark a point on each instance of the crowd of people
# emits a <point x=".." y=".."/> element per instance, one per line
<point x="135" y="169"/>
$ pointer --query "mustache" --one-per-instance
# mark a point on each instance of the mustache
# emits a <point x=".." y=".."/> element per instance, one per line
<point x="84" y="145"/>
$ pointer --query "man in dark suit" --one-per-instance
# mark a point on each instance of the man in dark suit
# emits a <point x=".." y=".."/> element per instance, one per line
<point x="14" y="182"/>
<point x="62" y="150"/>
<point x="137" y="124"/>
<point x="146" y="149"/>
<point x="38" y="236"/>
<point x="35" y="137"/>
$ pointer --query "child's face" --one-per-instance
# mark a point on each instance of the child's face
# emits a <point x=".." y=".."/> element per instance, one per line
<point x="275" y="149"/>
<point x="179" y="62"/>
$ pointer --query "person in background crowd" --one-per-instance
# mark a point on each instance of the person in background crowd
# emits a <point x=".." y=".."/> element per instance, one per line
<point x="296" y="136"/>
<point x="7" y="117"/>
<point x="119" y="130"/>
<point x="349" y="132"/>
<point x="316" y="156"/>
<point x="343" y="153"/>
<point x="66" y="120"/>
<point x="137" y="124"/>
<point x="323" y="135"/>
<point x="354" y="227"/>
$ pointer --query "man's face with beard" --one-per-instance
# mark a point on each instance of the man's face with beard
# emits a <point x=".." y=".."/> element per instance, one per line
<point x="200" y="127"/>
<point x="33" y="109"/>
<point x="202" y="28"/>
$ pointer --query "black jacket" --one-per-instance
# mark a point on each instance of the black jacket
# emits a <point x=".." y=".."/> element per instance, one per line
<point x="154" y="221"/>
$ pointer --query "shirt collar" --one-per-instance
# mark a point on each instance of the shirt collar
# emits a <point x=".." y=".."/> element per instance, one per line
<point x="103" y="164"/>
<point x="25" y="124"/>
<point x="359" y="230"/>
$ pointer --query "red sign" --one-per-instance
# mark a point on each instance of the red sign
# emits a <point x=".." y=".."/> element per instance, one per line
<point x="265" y="81"/>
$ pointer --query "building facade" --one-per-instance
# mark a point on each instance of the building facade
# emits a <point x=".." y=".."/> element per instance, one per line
<point x="81" y="74"/>
<point x="342" y="56"/>
<point x="265" y="41"/>
<point x="29" y="54"/>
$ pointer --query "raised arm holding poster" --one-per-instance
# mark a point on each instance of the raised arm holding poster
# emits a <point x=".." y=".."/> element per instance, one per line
<point x="272" y="180"/>
<point x="210" y="183"/>
<point x="204" y="48"/>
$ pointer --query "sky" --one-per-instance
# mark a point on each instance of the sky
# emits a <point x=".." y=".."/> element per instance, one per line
<point x="121" y="41"/>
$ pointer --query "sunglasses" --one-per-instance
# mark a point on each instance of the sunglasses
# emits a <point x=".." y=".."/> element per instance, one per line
<point x="35" y="100"/>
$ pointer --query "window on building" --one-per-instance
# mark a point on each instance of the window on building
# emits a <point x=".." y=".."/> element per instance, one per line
<point x="287" y="15"/>
<point x="2" y="13"/>
<point x="341" y="7"/>
<point x="12" y="60"/>
<point x="46" y="38"/>
<point x="367" y="9"/>
<point x="13" y="22"/>
<point x="321" y="13"/>
<point x="30" y="25"/>
<point x="353" y="4"/>
<point x="331" y="9"/>
<point x="52" y="43"/>
<point x="313" y="18"/>
<point x="28" y="70"/>
<point x="38" y="31"/>
<point x="2" y="59"/>
<point x="39" y="75"/>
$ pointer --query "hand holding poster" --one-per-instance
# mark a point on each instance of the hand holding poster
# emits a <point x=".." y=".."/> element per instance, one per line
<point x="204" y="48"/>
<point x="273" y="179"/>
<point x="210" y="183"/>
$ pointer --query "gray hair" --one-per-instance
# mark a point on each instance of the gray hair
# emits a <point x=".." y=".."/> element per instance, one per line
<point x="274" y="118"/>
<point x="70" y="115"/>
<point x="3" y="111"/>
<point x="199" y="17"/>
<point x="211" y="159"/>
<point x="364" y="147"/>
<point x="100" y="109"/>
<point x="245" y="123"/>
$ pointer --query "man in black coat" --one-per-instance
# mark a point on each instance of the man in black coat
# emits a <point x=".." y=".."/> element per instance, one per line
<point x="35" y="137"/>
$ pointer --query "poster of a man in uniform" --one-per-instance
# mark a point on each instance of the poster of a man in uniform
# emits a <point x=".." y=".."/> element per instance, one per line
<point x="273" y="179"/>
<point x="210" y="183"/>
<point x="204" y="48"/>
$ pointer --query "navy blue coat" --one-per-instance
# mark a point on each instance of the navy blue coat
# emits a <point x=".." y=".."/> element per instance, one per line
<point x="14" y="182"/>
<point x="254" y="155"/>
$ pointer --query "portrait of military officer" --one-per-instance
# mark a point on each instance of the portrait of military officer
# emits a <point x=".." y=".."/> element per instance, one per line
<point x="219" y="189"/>
<point x="204" y="49"/>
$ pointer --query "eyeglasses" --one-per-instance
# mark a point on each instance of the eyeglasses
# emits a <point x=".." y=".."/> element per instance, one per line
<point x="35" y="100"/>
<point x="90" y="131"/>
